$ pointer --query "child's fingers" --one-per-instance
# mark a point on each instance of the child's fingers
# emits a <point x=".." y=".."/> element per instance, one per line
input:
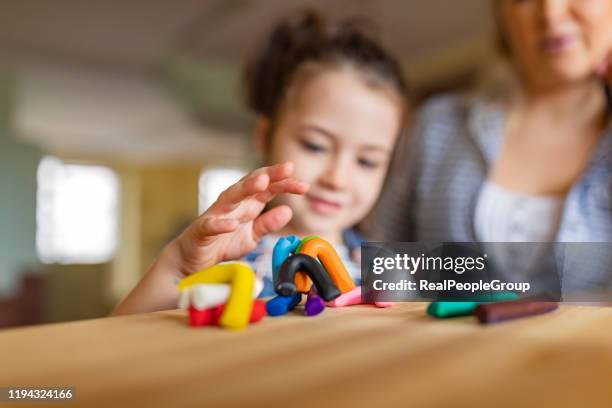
<point x="279" y="171"/>
<point x="291" y="186"/>
<point x="254" y="183"/>
<point x="235" y="194"/>
<point x="207" y="227"/>
<point x="271" y="221"/>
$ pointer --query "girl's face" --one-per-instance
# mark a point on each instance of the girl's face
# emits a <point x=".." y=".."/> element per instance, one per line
<point x="558" y="41"/>
<point x="339" y="131"/>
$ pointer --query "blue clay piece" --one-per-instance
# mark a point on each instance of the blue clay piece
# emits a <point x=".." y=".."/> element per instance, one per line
<point x="280" y="305"/>
<point x="284" y="247"/>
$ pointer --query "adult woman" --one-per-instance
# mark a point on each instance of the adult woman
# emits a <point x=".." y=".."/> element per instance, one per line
<point x="528" y="165"/>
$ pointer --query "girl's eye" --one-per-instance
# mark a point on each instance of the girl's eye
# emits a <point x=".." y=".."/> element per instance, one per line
<point x="313" y="147"/>
<point x="369" y="164"/>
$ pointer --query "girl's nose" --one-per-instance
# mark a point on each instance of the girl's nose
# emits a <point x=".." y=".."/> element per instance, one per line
<point x="553" y="10"/>
<point x="337" y="174"/>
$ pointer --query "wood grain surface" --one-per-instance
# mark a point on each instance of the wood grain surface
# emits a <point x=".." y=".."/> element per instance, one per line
<point x="355" y="356"/>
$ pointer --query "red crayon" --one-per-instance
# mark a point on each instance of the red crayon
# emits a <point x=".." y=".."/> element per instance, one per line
<point x="501" y="311"/>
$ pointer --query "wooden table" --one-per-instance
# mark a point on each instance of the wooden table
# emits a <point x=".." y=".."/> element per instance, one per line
<point x="356" y="356"/>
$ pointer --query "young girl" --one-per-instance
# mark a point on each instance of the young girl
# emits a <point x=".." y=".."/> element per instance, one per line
<point x="330" y="105"/>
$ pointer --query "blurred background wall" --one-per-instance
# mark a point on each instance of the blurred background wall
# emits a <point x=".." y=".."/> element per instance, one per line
<point x="145" y="95"/>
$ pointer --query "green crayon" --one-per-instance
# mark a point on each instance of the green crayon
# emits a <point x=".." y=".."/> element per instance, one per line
<point x="453" y="309"/>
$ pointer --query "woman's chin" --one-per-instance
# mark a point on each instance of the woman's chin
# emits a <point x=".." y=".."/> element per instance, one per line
<point x="567" y="72"/>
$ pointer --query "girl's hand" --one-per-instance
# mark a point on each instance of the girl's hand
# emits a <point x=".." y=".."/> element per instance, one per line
<point x="230" y="228"/>
<point x="234" y="224"/>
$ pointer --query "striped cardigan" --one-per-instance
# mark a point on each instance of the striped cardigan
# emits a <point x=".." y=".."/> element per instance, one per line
<point x="433" y="191"/>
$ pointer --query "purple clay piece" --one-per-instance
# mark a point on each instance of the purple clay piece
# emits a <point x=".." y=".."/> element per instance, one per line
<point x="314" y="305"/>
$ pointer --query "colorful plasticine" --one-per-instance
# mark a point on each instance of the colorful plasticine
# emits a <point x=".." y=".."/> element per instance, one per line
<point x="285" y="285"/>
<point x="200" y="317"/>
<point x="499" y="312"/>
<point x="258" y="312"/>
<point x="314" y="304"/>
<point x="302" y="281"/>
<point x="326" y="253"/>
<point x="284" y="247"/>
<point x="280" y="305"/>
<point x="207" y="295"/>
<point x="353" y="297"/>
<point x="240" y="302"/>
<point x="211" y="316"/>
<point x="304" y="240"/>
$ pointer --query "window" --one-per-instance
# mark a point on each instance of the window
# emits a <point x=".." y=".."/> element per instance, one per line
<point x="77" y="212"/>
<point x="213" y="182"/>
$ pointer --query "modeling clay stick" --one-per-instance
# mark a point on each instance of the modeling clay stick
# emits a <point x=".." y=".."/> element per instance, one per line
<point x="326" y="253"/>
<point x="258" y="312"/>
<point x="199" y="318"/>
<point x="499" y="312"/>
<point x="207" y="295"/>
<point x="240" y="302"/>
<point x="302" y="281"/>
<point x="305" y="240"/>
<point x="280" y="305"/>
<point x="284" y="247"/>
<point x="349" y="298"/>
<point x="285" y="285"/>
<point x="314" y="304"/>
<point x="353" y="298"/>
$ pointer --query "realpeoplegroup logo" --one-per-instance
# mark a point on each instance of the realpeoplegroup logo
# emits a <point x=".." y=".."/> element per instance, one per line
<point x="458" y="265"/>
<point x="415" y="271"/>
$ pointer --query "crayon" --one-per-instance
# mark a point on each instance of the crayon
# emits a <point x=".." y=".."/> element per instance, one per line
<point x="443" y="309"/>
<point x="499" y="312"/>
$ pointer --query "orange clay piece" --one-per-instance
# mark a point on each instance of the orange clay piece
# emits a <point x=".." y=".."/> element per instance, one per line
<point x="324" y="251"/>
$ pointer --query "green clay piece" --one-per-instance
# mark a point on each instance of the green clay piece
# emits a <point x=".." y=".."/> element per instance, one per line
<point x="304" y="240"/>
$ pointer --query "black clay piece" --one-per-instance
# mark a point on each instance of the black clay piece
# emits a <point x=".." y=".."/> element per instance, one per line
<point x="295" y="263"/>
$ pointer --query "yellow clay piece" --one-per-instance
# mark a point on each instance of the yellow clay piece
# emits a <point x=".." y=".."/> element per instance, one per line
<point x="240" y="302"/>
